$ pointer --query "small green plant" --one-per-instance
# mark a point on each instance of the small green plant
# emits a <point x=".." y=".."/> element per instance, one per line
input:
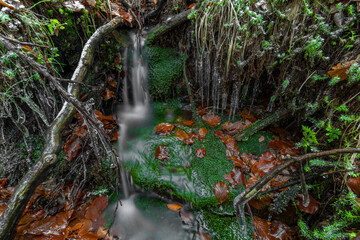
<point x="332" y="133"/>
<point x="309" y="139"/>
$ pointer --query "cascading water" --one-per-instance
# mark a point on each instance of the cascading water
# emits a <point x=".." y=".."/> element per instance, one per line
<point x="134" y="113"/>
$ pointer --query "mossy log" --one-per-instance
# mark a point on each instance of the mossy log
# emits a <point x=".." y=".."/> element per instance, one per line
<point x="167" y="26"/>
<point x="260" y="124"/>
<point x="39" y="172"/>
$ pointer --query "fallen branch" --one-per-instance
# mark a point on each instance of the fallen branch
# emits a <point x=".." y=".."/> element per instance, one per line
<point x="260" y="124"/>
<point x="168" y="25"/>
<point x="48" y="158"/>
<point x="253" y="190"/>
<point x="154" y="13"/>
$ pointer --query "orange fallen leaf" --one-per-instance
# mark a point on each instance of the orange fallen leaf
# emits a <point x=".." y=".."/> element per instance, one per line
<point x="174" y="207"/>
<point x="313" y="205"/>
<point x="354" y="185"/>
<point x="340" y="70"/>
<point x="202" y="133"/>
<point x="211" y="119"/>
<point x="221" y="191"/>
<point x="188" y="123"/>
<point x="261" y="139"/>
<point x="187" y="138"/>
<point x="191" y="6"/>
<point x="162" y="153"/>
<point x="164" y="128"/>
<point x="108" y="94"/>
<point x="72" y="147"/>
<point x="3" y="182"/>
<point x="200" y="153"/>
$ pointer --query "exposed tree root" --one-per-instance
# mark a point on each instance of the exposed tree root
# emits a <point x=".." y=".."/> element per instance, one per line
<point x="48" y="159"/>
<point x="253" y="190"/>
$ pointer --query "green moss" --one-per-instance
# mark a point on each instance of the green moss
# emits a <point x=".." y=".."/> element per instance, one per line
<point x="165" y="68"/>
<point x="225" y="227"/>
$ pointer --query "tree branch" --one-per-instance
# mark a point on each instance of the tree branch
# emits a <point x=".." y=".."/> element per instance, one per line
<point x="48" y="159"/>
<point x="249" y="193"/>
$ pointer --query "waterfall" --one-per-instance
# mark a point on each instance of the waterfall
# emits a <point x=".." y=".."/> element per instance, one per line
<point x="134" y="110"/>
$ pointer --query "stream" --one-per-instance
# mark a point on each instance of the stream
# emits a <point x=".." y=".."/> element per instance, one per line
<point x="139" y="215"/>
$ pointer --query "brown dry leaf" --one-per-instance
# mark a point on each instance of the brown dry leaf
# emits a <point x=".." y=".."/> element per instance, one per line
<point x="125" y="16"/>
<point x="174" y="207"/>
<point x="261" y="139"/>
<point x="211" y="119"/>
<point x="108" y="121"/>
<point x="238" y="162"/>
<point x="280" y="230"/>
<point x="111" y="80"/>
<point x="200" y="153"/>
<point x="262" y="167"/>
<point x="233" y="128"/>
<point x="164" y="128"/>
<point x="162" y="153"/>
<point x="267" y="156"/>
<point x="260" y="203"/>
<point x="235" y="177"/>
<point x="246" y="115"/>
<point x="340" y="70"/>
<point x="3" y="182"/>
<point x="81" y="131"/>
<point x="219" y="133"/>
<point x="108" y="94"/>
<point x="188" y="123"/>
<point x="248" y="157"/>
<point x="93" y="210"/>
<point x="187" y="138"/>
<point x="354" y="184"/>
<point x="202" y="111"/>
<point x="202" y="133"/>
<point x="313" y="205"/>
<point x="263" y="228"/>
<point x="221" y="191"/>
<point x="72" y="147"/>
<point x="232" y="148"/>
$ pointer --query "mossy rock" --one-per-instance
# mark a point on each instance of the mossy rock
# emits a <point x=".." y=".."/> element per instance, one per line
<point x="183" y="175"/>
<point x="165" y="69"/>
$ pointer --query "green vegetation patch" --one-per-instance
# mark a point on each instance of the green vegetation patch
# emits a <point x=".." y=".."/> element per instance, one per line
<point x="165" y="68"/>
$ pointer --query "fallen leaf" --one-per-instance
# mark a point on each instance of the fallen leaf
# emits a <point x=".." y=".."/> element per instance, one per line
<point x="202" y="133"/>
<point x="221" y="191"/>
<point x="260" y="203"/>
<point x="162" y="153"/>
<point x="354" y="185"/>
<point x="219" y="133"/>
<point x="124" y="15"/>
<point x="108" y="121"/>
<point x="340" y="70"/>
<point x="108" y="94"/>
<point x="81" y="131"/>
<point x="263" y="229"/>
<point x="313" y="205"/>
<point x="238" y="162"/>
<point x="280" y="230"/>
<point x="111" y="80"/>
<point x="191" y="6"/>
<point x="233" y="128"/>
<point x="267" y="156"/>
<point x="262" y="167"/>
<point x="202" y="111"/>
<point x="164" y="128"/>
<point x="174" y="207"/>
<point x="232" y="148"/>
<point x="187" y="138"/>
<point x="235" y="177"/>
<point x="211" y="119"/>
<point x="279" y="180"/>
<point x="3" y="182"/>
<point x="188" y="123"/>
<point x="91" y="2"/>
<point x="200" y="153"/>
<point x="72" y="147"/>
<point x="261" y="139"/>
<point x="248" y="157"/>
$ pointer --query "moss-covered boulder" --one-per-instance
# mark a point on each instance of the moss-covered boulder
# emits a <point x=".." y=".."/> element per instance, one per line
<point x="165" y="69"/>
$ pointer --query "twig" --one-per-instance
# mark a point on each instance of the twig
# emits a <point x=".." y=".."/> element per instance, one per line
<point x="81" y="83"/>
<point x="25" y="43"/>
